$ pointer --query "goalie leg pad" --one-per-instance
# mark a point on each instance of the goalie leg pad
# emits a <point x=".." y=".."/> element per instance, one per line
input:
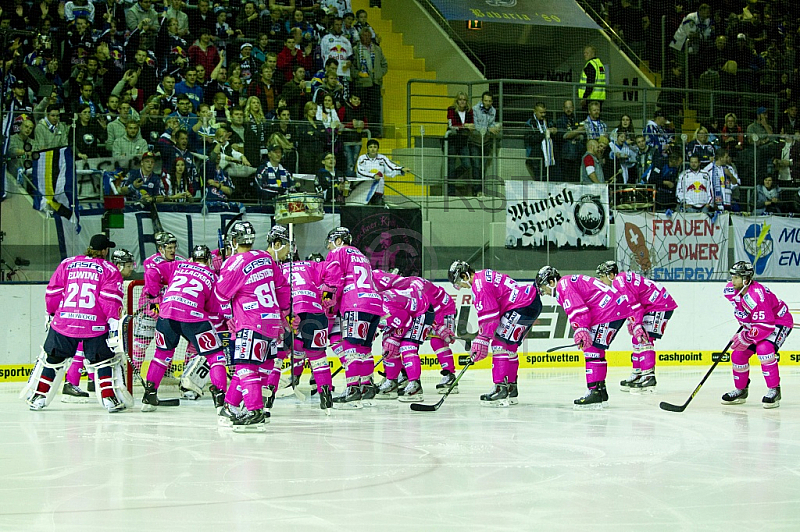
<point x="196" y="374"/>
<point x="46" y="378"/>
<point x="119" y="386"/>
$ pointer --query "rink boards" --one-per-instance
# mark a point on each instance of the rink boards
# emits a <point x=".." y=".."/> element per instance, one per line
<point x="701" y="325"/>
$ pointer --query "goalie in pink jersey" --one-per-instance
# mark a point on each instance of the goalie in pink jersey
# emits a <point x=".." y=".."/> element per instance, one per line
<point x="653" y="308"/>
<point x="443" y="328"/>
<point x="596" y="312"/>
<point x="259" y="297"/>
<point x="506" y="312"/>
<point x="157" y="274"/>
<point x="409" y="318"/>
<point x="765" y="324"/>
<point x="347" y="278"/>
<point x="82" y="298"/>
<point x="72" y="393"/>
<point x="186" y="309"/>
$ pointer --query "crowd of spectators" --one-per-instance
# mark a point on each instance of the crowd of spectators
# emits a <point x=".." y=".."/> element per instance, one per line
<point x="212" y="90"/>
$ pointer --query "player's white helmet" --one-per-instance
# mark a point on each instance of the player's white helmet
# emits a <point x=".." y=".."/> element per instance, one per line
<point x="201" y="253"/>
<point x="607" y="268"/>
<point x="545" y="275"/>
<point x="743" y="269"/>
<point x="340" y="232"/>
<point x="278" y="232"/>
<point x="165" y="238"/>
<point x="457" y="270"/>
<point x="121" y="256"/>
<point x="243" y="233"/>
<point x="315" y="257"/>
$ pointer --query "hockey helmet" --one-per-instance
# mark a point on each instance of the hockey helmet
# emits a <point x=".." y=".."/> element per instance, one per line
<point x="607" y="268"/>
<point x="545" y="275"/>
<point x="243" y="233"/>
<point x="340" y="232"/>
<point x="278" y="232"/>
<point x="165" y="238"/>
<point x="315" y="257"/>
<point x="457" y="270"/>
<point x="743" y="269"/>
<point x="121" y="256"/>
<point x="201" y="253"/>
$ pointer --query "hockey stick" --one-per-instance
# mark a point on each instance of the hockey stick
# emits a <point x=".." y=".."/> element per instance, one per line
<point x="680" y="408"/>
<point x="161" y="402"/>
<point x="561" y="347"/>
<point x="419" y="407"/>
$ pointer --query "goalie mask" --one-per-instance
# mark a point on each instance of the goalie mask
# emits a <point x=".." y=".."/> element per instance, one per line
<point x="607" y="268"/>
<point x="243" y="233"/>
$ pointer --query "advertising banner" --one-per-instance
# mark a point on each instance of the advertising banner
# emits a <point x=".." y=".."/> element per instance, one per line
<point x="771" y="243"/>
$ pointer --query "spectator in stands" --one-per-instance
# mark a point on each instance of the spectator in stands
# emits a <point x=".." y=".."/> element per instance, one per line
<point x="539" y="145"/>
<point x="87" y="97"/>
<point x="460" y="124"/>
<point x="143" y="184"/>
<point x="275" y="28"/>
<point x="362" y="23"/>
<point x="248" y="23"/>
<point x="694" y="190"/>
<point x="337" y="45"/>
<point x="272" y="179"/>
<point x="258" y="127"/>
<point x="732" y="138"/>
<point x="264" y="90"/>
<point x="179" y="185"/>
<point x="16" y="146"/>
<point x="647" y="158"/>
<point x="166" y="92"/>
<point x="151" y="123"/>
<point x="569" y="143"/>
<point x="330" y="86"/>
<point x="50" y="131"/>
<point x="281" y="132"/>
<point x="768" y="197"/>
<point x="625" y="126"/>
<point x="655" y="134"/>
<point x="190" y="88"/>
<point x="353" y="117"/>
<point x="202" y="18"/>
<point x="788" y="162"/>
<point x="329" y="116"/>
<point x="483" y="138"/>
<point x="631" y="23"/>
<point x="593" y="127"/>
<point x="623" y="153"/>
<point x="297" y="92"/>
<point x="298" y="20"/>
<point x="203" y="52"/>
<point x="219" y="186"/>
<point x="724" y="179"/>
<point x="592" y="169"/>
<point x="664" y="179"/>
<point x="670" y="100"/>
<point x="788" y="124"/>
<point x="129" y="146"/>
<point x="291" y="56"/>
<point x="766" y="146"/>
<point x="329" y="182"/>
<point x="593" y="78"/>
<point x="371" y="67"/>
<point x="143" y="17"/>
<point x="694" y="35"/>
<point x="701" y="146"/>
<point x="178" y="149"/>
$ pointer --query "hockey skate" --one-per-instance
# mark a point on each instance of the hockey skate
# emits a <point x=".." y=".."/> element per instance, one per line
<point x="513" y="393"/>
<point x="188" y="394"/>
<point x="498" y="397"/>
<point x="773" y="398"/>
<point x="387" y="389"/>
<point x="251" y="421"/>
<point x="448" y="378"/>
<point x="218" y="396"/>
<point x="646" y="383"/>
<point x="150" y="399"/>
<point x="326" y="399"/>
<point x="90" y="386"/>
<point x="368" y="393"/>
<point x="412" y="393"/>
<point x="402" y="381"/>
<point x="350" y="398"/>
<point x="113" y="405"/>
<point x="226" y="415"/>
<point x="625" y="385"/>
<point x="37" y="401"/>
<point x="73" y="394"/>
<point x="593" y="400"/>
<point x="737" y="396"/>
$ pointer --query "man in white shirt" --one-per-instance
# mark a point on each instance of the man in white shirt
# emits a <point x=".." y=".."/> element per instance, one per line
<point x="695" y="190"/>
<point x="373" y="167"/>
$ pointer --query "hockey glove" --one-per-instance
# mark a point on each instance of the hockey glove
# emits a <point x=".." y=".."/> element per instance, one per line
<point x="583" y="338"/>
<point x="328" y="300"/>
<point x="391" y="347"/>
<point x="639" y="333"/>
<point x="480" y="348"/>
<point x="742" y="341"/>
<point x="445" y="333"/>
<point x="153" y="309"/>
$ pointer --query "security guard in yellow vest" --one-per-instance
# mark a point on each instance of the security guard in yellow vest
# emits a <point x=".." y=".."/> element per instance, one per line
<point x="593" y="72"/>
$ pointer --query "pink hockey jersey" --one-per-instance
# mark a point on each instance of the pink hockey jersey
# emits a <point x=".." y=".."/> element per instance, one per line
<point x="759" y="310"/>
<point x="644" y="294"/>
<point x="306" y="279"/>
<point x="83" y="294"/>
<point x="157" y="274"/>
<point x="495" y="293"/>
<point x="400" y="307"/>
<point x="588" y="302"/>
<point x="257" y="290"/>
<point x="436" y="296"/>
<point x="349" y="271"/>
<point x="190" y="295"/>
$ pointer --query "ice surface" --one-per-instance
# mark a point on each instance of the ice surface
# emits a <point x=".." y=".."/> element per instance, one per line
<point x="539" y="465"/>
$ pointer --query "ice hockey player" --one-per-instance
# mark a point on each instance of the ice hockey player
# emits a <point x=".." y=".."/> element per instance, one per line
<point x="765" y="323"/>
<point x="653" y="308"/>
<point x="506" y="311"/>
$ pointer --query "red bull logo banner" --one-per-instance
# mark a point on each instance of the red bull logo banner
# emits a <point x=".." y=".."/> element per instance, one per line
<point x="680" y="247"/>
<point x="771" y="243"/>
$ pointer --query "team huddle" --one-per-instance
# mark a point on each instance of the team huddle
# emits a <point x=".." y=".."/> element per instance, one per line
<point x="273" y="307"/>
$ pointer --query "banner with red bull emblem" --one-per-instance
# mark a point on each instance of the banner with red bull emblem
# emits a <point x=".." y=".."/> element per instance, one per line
<point x="678" y="247"/>
<point x="771" y="243"/>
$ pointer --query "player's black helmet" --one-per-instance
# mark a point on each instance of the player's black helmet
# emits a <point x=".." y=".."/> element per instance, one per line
<point x="457" y="270"/>
<point x="743" y="269"/>
<point x="165" y="238"/>
<point x="545" y="275"/>
<point x="607" y="268"/>
<point x="315" y="257"/>
<point x="121" y="256"/>
<point x="340" y="232"/>
<point x="243" y="233"/>
<point x="201" y="253"/>
<point x="278" y="232"/>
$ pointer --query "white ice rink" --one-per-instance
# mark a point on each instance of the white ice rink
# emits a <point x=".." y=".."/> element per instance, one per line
<point x="536" y="466"/>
